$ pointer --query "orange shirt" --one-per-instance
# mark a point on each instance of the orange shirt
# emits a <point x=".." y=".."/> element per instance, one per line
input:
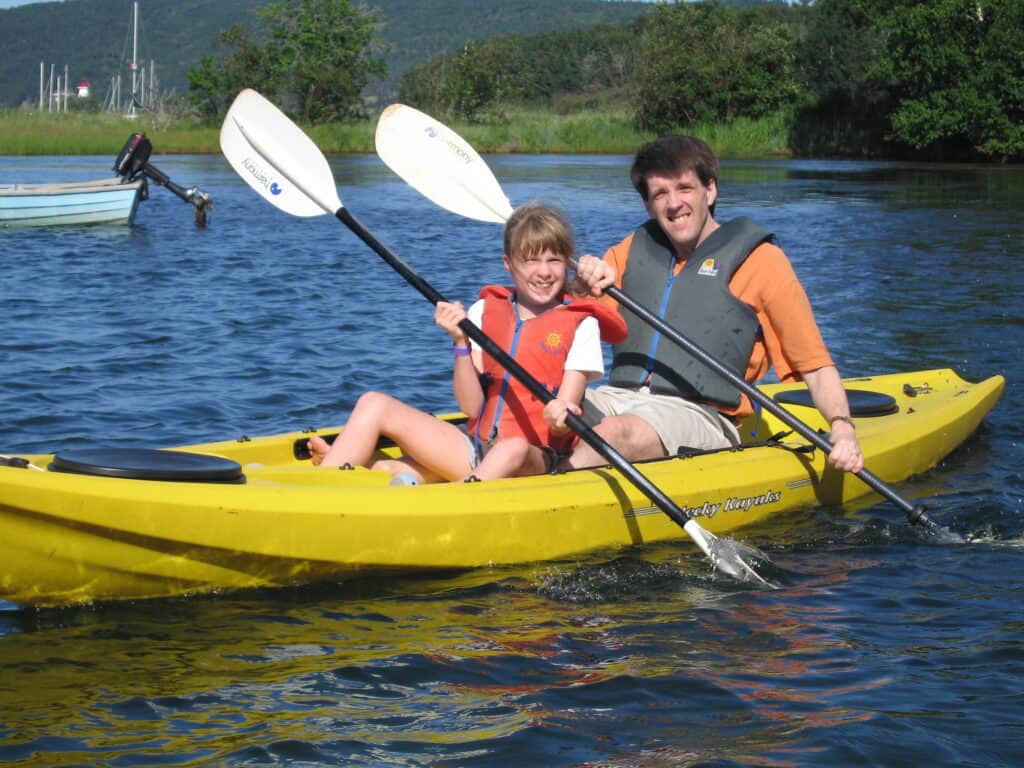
<point x="790" y="339"/>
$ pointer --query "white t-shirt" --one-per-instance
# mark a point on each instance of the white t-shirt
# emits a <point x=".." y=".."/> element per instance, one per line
<point x="584" y="354"/>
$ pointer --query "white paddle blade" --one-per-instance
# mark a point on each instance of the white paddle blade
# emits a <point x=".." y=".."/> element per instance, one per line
<point x="439" y="164"/>
<point x="724" y="554"/>
<point x="274" y="157"/>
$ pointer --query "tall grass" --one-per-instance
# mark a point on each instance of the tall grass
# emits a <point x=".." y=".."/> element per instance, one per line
<point x="344" y="138"/>
<point x="609" y="132"/>
<point x="746" y="138"/>
<point x="535" y="131"/>
<point x="24" y="132"/>
<point x="588" y="131"/>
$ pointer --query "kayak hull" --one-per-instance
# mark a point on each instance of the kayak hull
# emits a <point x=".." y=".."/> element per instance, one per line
<point x="70" y="538"/>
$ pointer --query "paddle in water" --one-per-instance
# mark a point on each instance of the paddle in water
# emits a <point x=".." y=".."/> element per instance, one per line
<point x="444" y="168"/>
<point x="277" y="159"/>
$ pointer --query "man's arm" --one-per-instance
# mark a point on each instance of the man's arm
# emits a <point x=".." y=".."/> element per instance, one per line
<point x="829" y="398"/>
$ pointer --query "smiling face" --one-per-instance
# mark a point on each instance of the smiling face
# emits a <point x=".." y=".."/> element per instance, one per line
<point x="677" y="178"/>
<point x="538" y="245"/>
<point x="682" y="205"/>
<point x="539" y="279"/>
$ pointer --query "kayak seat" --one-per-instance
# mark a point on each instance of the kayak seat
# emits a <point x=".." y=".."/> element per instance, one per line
<point x="863" y="402"/>
<point x="148" y="464"/>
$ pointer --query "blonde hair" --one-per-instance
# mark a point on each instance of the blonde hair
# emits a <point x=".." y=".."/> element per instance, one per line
<point x="534" y="228"/>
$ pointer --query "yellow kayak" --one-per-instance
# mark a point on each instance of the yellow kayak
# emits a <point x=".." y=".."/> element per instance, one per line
<point x="131" y="524"/>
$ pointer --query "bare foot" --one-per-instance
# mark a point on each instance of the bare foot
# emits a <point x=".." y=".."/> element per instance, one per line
<point x="318" y="448"/>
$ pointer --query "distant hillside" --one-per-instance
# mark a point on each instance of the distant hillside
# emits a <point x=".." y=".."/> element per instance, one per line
<point x="92" y="36"/>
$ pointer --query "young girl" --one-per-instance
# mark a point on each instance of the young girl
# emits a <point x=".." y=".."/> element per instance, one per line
<point x="509" y="433"/>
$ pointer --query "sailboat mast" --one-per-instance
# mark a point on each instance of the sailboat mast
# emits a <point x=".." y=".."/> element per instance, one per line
<point x="135" y="52"/>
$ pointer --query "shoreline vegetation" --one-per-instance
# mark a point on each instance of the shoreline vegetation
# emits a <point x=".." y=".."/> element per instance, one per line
<point x="30" y="133"/>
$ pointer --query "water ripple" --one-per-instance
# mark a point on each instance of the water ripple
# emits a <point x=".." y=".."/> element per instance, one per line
<point x="881" y="648"/>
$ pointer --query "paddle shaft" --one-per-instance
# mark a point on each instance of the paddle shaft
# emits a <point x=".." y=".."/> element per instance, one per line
<point x="915" y="512"/>
<point x="468" y="187"/>
<point x="577" y="424"/>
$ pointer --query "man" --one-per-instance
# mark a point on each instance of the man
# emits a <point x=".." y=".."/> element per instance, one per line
<point x="728" y="288"/>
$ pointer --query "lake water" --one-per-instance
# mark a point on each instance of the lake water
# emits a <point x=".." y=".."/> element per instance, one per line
<point x="883" y="648"/>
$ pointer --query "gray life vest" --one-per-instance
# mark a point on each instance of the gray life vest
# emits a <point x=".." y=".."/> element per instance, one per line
<point x="698" y="303"/>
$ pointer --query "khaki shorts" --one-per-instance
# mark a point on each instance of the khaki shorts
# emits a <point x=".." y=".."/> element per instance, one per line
<point x="678" y="422"/>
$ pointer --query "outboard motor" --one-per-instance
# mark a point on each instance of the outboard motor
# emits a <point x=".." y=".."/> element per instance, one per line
<point x="133" y="157"/>
<point x="133" y="162"/>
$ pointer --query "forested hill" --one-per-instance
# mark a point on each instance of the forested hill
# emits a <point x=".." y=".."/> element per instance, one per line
<point x="92" y="36"/>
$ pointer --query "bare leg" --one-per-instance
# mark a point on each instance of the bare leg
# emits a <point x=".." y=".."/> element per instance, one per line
<point x="630" y="435"/>
<point x="433" y="444"/>
<point x="511" y="457"/>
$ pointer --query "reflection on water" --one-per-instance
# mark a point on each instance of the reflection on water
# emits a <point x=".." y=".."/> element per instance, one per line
<point x="881" y="647"/>
<point x="459" y="666"/>
<point x="483" y="673"/>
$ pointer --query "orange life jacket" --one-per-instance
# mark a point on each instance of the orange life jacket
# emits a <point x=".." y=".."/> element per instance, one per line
<point x="541" y="345"/>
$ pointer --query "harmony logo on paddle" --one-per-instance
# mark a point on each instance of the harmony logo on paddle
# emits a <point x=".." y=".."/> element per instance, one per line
<point x="433" y="133"/>
<point x="259" y="175"/>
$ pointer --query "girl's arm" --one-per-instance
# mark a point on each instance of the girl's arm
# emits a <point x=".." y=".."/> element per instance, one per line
<point x="570" y="395"/>
<point x="466" y="385"/>
<point x="466" y="373"/>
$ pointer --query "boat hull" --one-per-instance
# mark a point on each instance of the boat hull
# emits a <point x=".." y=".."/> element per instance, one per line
<point x="107" y="201"/>
<point x="69" y="538"/>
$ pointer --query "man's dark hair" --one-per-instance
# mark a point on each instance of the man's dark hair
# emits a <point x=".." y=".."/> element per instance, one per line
<point x="672" y="154"/>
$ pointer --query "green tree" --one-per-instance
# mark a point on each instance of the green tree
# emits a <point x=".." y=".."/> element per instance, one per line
<point x="476" y="87"/>
<point x="420" y="86"/>
<point x="323" y="54"/>
<point x="318" y="57"/>
<point x="213" y="83"/>
<point x="482" y="79"/>
<point x="704" y="62"/>
<point x="957" y="74"/>
<point x="845" y="108"/>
